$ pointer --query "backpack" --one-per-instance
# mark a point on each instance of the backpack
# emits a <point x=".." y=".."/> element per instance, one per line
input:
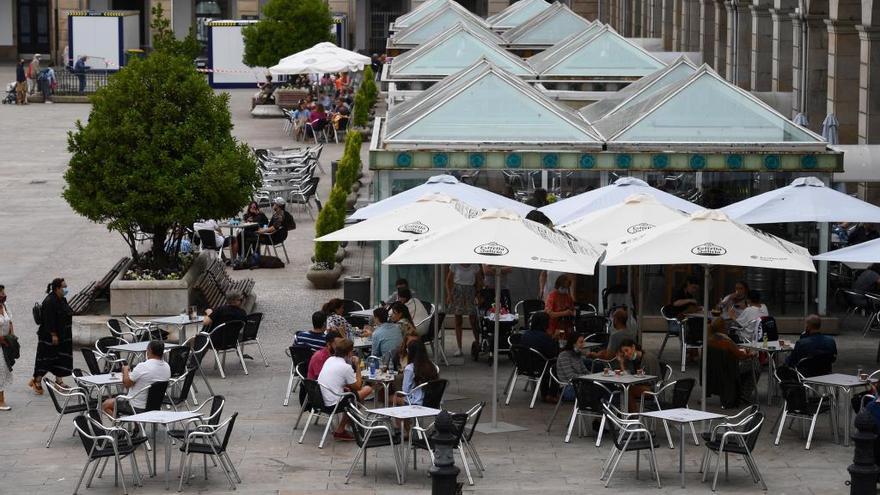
<point x="38" y="314"/>
<point x="270" y="262"/>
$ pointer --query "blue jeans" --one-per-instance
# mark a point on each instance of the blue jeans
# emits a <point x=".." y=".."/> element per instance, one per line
<point x="568" y="394"/>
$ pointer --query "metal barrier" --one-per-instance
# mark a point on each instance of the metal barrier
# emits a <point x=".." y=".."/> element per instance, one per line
<point x="70" y="83"/>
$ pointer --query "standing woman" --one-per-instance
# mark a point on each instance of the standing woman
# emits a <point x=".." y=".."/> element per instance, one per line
<point x="5" y="330"/>
<point x="55" y="347"/>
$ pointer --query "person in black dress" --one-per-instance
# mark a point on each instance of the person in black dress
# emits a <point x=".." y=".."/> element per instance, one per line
<point x="55" y="346"/>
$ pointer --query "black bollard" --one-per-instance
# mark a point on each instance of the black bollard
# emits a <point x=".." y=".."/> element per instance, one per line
<point x="444" y="473"/>
<point x="863" y="471"/>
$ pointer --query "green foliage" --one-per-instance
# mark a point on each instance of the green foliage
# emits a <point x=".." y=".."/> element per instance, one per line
<point x="361" y="111"/>
<point x="165" y="41"/>
<point x="287" y="27"/>
<point x="330" y="219"/>
<point x="369" y="86"/>
<point x="157" y="151"/>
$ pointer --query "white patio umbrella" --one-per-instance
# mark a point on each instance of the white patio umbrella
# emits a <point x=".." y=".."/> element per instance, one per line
<point x="430" y="213"/>
<point x="500" y="238"/>
<point x="708" y="238"/>
<point x="320" y="59"/>
<point x="444" y="184"/>
<point x="806" y="199"/>
<point x="866" y="252"/>
<point x="637" y="213"/>
<point x="575" y="207"/>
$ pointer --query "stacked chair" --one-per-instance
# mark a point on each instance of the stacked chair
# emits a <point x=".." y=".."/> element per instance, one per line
<point x="290" y="174"/>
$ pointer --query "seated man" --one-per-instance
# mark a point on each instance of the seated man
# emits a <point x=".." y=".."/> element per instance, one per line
<point x="387" y="336"/>
<point x="313" y="339"/>
<point x="401" y="283"/>
<point x="153" y="370"/>
<point x="749" y="318"/>
<point x="266" y="93"/>
<point x="340" y="375"/>
<point x="316" y="363"/>
<point x="719" y="340"/>
<point x="212" y="225"/>
<point x="231" y="311"/>
<point x="812" y="343"/>
<point x="279" y="224"/>
<point x="619" y="333"/>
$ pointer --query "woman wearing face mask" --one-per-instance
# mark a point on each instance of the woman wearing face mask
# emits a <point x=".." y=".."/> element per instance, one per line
<point x="5" y="331"/>
<point x="560" y="306"/>
<point x="55" y="347"/>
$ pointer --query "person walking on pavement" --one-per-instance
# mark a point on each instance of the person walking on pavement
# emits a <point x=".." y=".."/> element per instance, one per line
<point x="32" y="74"/>
<point x="20" y="84"/>
<point x="55" y="347"/>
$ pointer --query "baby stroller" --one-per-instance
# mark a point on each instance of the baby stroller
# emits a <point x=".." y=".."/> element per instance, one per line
<point x="10" y="94"/>
<point x="485" y="298"/>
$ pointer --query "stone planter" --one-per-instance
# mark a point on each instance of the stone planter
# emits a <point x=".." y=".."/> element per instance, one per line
<point x="156" y="297"/>
<point x="324" y="279"/>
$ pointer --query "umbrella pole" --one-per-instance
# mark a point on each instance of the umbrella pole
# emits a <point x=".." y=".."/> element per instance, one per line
<point x="640" y="308"/>
<point x="706" y="280"/>
<point x="495" y="347"/>
<point x="806" y="280"/>
<point x="438" y="332"/>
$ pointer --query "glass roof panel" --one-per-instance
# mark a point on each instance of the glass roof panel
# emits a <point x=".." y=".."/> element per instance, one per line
<point x="538" y="59"/>
<point x="427" y="7"/>
<point x="512" y="16"/>
<point x="606" y="54"/>
<point x="549" y="27"/>
<point x="639" y="90"/>
<point x="485" y="104"/>
<point x="708" y="110"/>
<point x="453" y="52"/>
<point x="432" y="26"/>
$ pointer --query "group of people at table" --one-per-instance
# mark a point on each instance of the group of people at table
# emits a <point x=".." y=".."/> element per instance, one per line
<point x="256" y="229"/>
<point x="393" y="339"/>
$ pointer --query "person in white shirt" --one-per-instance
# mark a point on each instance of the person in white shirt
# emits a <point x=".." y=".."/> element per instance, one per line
<point x="151" y="371"/>
<point x="750" y="317"/>
<point x="211" y="225"/>
<point x="338" y="374"/>
<point x="462" y="283"/>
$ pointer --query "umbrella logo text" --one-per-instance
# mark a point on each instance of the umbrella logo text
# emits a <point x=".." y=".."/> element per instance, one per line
<point x="708" y="249"/>
<point x="491" y="249"/>
<point x="639" y="227"/>
<point x="414" y="228"/>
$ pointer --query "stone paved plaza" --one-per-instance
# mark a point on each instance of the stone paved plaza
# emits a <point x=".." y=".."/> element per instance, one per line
<point x="42" y="238"/>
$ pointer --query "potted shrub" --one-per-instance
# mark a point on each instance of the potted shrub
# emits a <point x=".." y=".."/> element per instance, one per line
<point x="325" y="271"/>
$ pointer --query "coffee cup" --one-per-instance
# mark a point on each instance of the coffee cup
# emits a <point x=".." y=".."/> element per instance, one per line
<point x="618" y="372"/>
<point x="640" y="372"/>
<point x="606" y="372"/>
<point x="863" y="377"/>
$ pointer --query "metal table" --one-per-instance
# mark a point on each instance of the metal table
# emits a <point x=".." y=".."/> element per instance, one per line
<point x="844" y="383"/>
<point x="773" y="349"/>
<point x="682" y="416"/>
<point x="405" y="413"/>
<point x="164" y="418"/>
<point x="181" y="321"/>
<point x="624" y="380"/>
<point x="383" y="379"/>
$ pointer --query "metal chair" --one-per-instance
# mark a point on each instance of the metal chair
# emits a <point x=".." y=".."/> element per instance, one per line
<point x="369" y="434"/>
<point x="692" y="338"/>
<point x="681" y="393"/>
<point x="224" y="338"/>
<point x="527" y="307"/>
<point x="213" y="418"/>
<point x="183" y="384"/>
<point x="589" y="397"/>
<point x="249" y="334"/>
<point x="631" y="436"/>
<point x="316" y="407"/>
<point x="420" y="438"/>
<point x="299" y="355"/>
<point x="432" y="393"/>
<point x="102" y="442"/>
<point x="206" y="440"/>
<point x="474" y="414"/>
<point x="802" y="402"/>
<point x="531" y="365"/>
<point x="562" y="385"/>
<point x="116" y="330"/>
<point x="673" y="328"/>
<point x="855" y="302"/>
<point x="67" y="400"/>
<point x="155" y="398"/>
<point x="273" y="240"/>
<point x="738" y="438"/>
<point x="817" y="365"/>
<point x="706" y="436"/>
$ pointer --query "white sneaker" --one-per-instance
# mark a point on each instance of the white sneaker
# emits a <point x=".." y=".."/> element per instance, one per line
<point x="457" y="353"/>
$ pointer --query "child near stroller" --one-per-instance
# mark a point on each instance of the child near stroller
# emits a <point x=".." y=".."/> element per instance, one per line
<point x="9" y="97"/>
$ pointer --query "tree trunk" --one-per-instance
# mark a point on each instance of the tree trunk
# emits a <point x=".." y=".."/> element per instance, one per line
<point x="160" y="258"/>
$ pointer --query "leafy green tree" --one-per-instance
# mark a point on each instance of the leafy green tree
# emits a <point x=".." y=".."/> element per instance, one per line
<point x="156" y="152"/>
<point x="369" y="85"/>
<point x="165" y="41"/>
<point x="287" y="27"/>
<point x="361" y="110"/>
<point x="330" y="219"/>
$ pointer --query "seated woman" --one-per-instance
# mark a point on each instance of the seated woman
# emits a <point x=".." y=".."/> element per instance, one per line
<point x="248" y="237"/>
<point x="318" y="119"/>
<point x="419" y="370"/>
<point x="400" y="314"/>
<point x="334" y="309"/>
<point x="570" y="364"/>
<point x="560" y="306"/>
<point x="719" y="340"/>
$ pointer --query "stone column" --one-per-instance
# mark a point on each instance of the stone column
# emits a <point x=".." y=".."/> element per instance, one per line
<point x="869" y="85"/>
<point x="635" y="16"/>
<point x="782" y="49"/>
<point x="843" y="77"/>
<point x="588" y="9"/>
<point x="645" y="19"/>
<point x="762" y="46"/>
<point x="707" y="31"/>
<point x="361" y="25"/>
<point x="739" y="24"/>
<point x="655" y="24"/>
<point x="677" y="24"/>
<point x="720" y="38"/>
<point x="694" y="18"/>
<point x="812" y="60"/>
<point x="666" y="26"/>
